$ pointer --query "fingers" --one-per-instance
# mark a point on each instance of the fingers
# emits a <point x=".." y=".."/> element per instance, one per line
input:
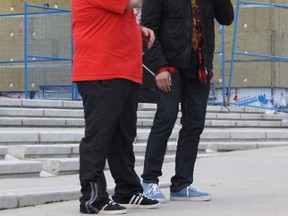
<point x="148" y="36"/>
<point x="163" y="81"/>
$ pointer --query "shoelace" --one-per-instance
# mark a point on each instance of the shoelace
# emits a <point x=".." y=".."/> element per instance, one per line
<point x="153" y="188"/>
<point x="111" y="202"/>
<point x="191" y="188"/>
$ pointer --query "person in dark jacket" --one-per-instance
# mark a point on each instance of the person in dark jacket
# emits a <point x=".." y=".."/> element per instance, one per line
<point x="181" y="59"/>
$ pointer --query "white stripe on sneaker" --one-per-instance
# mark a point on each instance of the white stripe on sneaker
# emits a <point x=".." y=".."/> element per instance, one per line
<point x="136" y="199"/>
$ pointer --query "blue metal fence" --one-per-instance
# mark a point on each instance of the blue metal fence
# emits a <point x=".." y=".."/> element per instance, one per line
<point x="47" y="52"/>
<point x="257" y="51"/>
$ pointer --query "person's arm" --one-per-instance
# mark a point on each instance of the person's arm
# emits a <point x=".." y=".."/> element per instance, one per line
<point x="151" y="17"/>
<point x="154" y="58"/>
<point x="224" y="12"/>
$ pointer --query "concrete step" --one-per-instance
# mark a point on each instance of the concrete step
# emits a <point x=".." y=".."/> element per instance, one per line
<point x="40" y="135"/>
<point x="26" y="152"/>
<point x="60" y="166"/>
<point x="55" y="165"/>
<point x="52" y="108"/>
<point x="41" y="103"/>
<point x="19" y="168"/>
<point x="223" y="123"/>
<point x="21" y="192"/>
<point x="49" y="132"/>
<point x="3" y="151"/>
<point x="210" y="108"/>
<point x="62" y="104"/>
<point x="33" y="136"/>
<point x="73" y="113"/>
<point x="217" y="121"/>
<point x="50" y="166"/>
<point x="229" y="134"/>
<point x="222" y="146"/>
<point x="248" y="134"/>
<point x="44" y="151"/>
<point x="40" y="112"/>
<point x="41" y="122"/>
<point x="246" y="123"/>
<point x="64" y="166"/>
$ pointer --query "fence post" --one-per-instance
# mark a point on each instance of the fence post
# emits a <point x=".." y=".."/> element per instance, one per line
<point x="25" y="51"/>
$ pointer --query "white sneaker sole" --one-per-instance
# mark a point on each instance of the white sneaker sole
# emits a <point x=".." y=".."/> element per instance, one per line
<point x="135" y="206"/>
<point x="112" y="212"/>
<point x="185" y="198"/>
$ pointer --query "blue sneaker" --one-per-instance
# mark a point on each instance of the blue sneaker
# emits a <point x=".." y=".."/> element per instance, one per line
<point x="190" y="193"/>
<point x="152" y="191"/>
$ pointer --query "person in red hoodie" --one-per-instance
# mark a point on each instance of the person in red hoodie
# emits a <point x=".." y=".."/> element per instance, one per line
<point x="107" y="69"/>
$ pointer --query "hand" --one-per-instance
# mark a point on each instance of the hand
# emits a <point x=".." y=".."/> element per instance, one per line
<point x="133" y="4"/>
<point x="148" y="36"/>
<point x="163" y="81"/>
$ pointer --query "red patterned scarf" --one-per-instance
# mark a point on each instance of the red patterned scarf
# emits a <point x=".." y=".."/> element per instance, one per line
<point x="197" y="43"/>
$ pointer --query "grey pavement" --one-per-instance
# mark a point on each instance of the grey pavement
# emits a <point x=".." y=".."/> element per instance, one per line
<point x="250" y="183"/>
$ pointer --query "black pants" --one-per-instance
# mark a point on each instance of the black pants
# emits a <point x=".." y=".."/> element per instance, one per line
<point x="193" y="97"/>
<point x="110" y="108"/>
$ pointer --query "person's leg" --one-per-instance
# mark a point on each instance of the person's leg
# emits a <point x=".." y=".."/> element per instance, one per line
<point x="164" y="120"/>
<point x="121" y="157"/>
<point x="193" y="105"/>
<point x="101" y="116"/>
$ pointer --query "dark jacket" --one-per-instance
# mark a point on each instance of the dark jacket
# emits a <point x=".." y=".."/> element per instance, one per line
<point x="171" y="21"/>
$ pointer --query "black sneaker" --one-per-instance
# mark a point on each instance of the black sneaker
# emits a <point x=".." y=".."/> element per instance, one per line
<point x="111" y="208"/>
<point x="138" y="201"/>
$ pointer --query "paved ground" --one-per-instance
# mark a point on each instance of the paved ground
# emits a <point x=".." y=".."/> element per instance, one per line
<point x="250" y="183"/>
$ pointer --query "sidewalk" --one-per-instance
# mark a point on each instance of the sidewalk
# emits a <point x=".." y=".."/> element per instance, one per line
<point x="250" y="183"/>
